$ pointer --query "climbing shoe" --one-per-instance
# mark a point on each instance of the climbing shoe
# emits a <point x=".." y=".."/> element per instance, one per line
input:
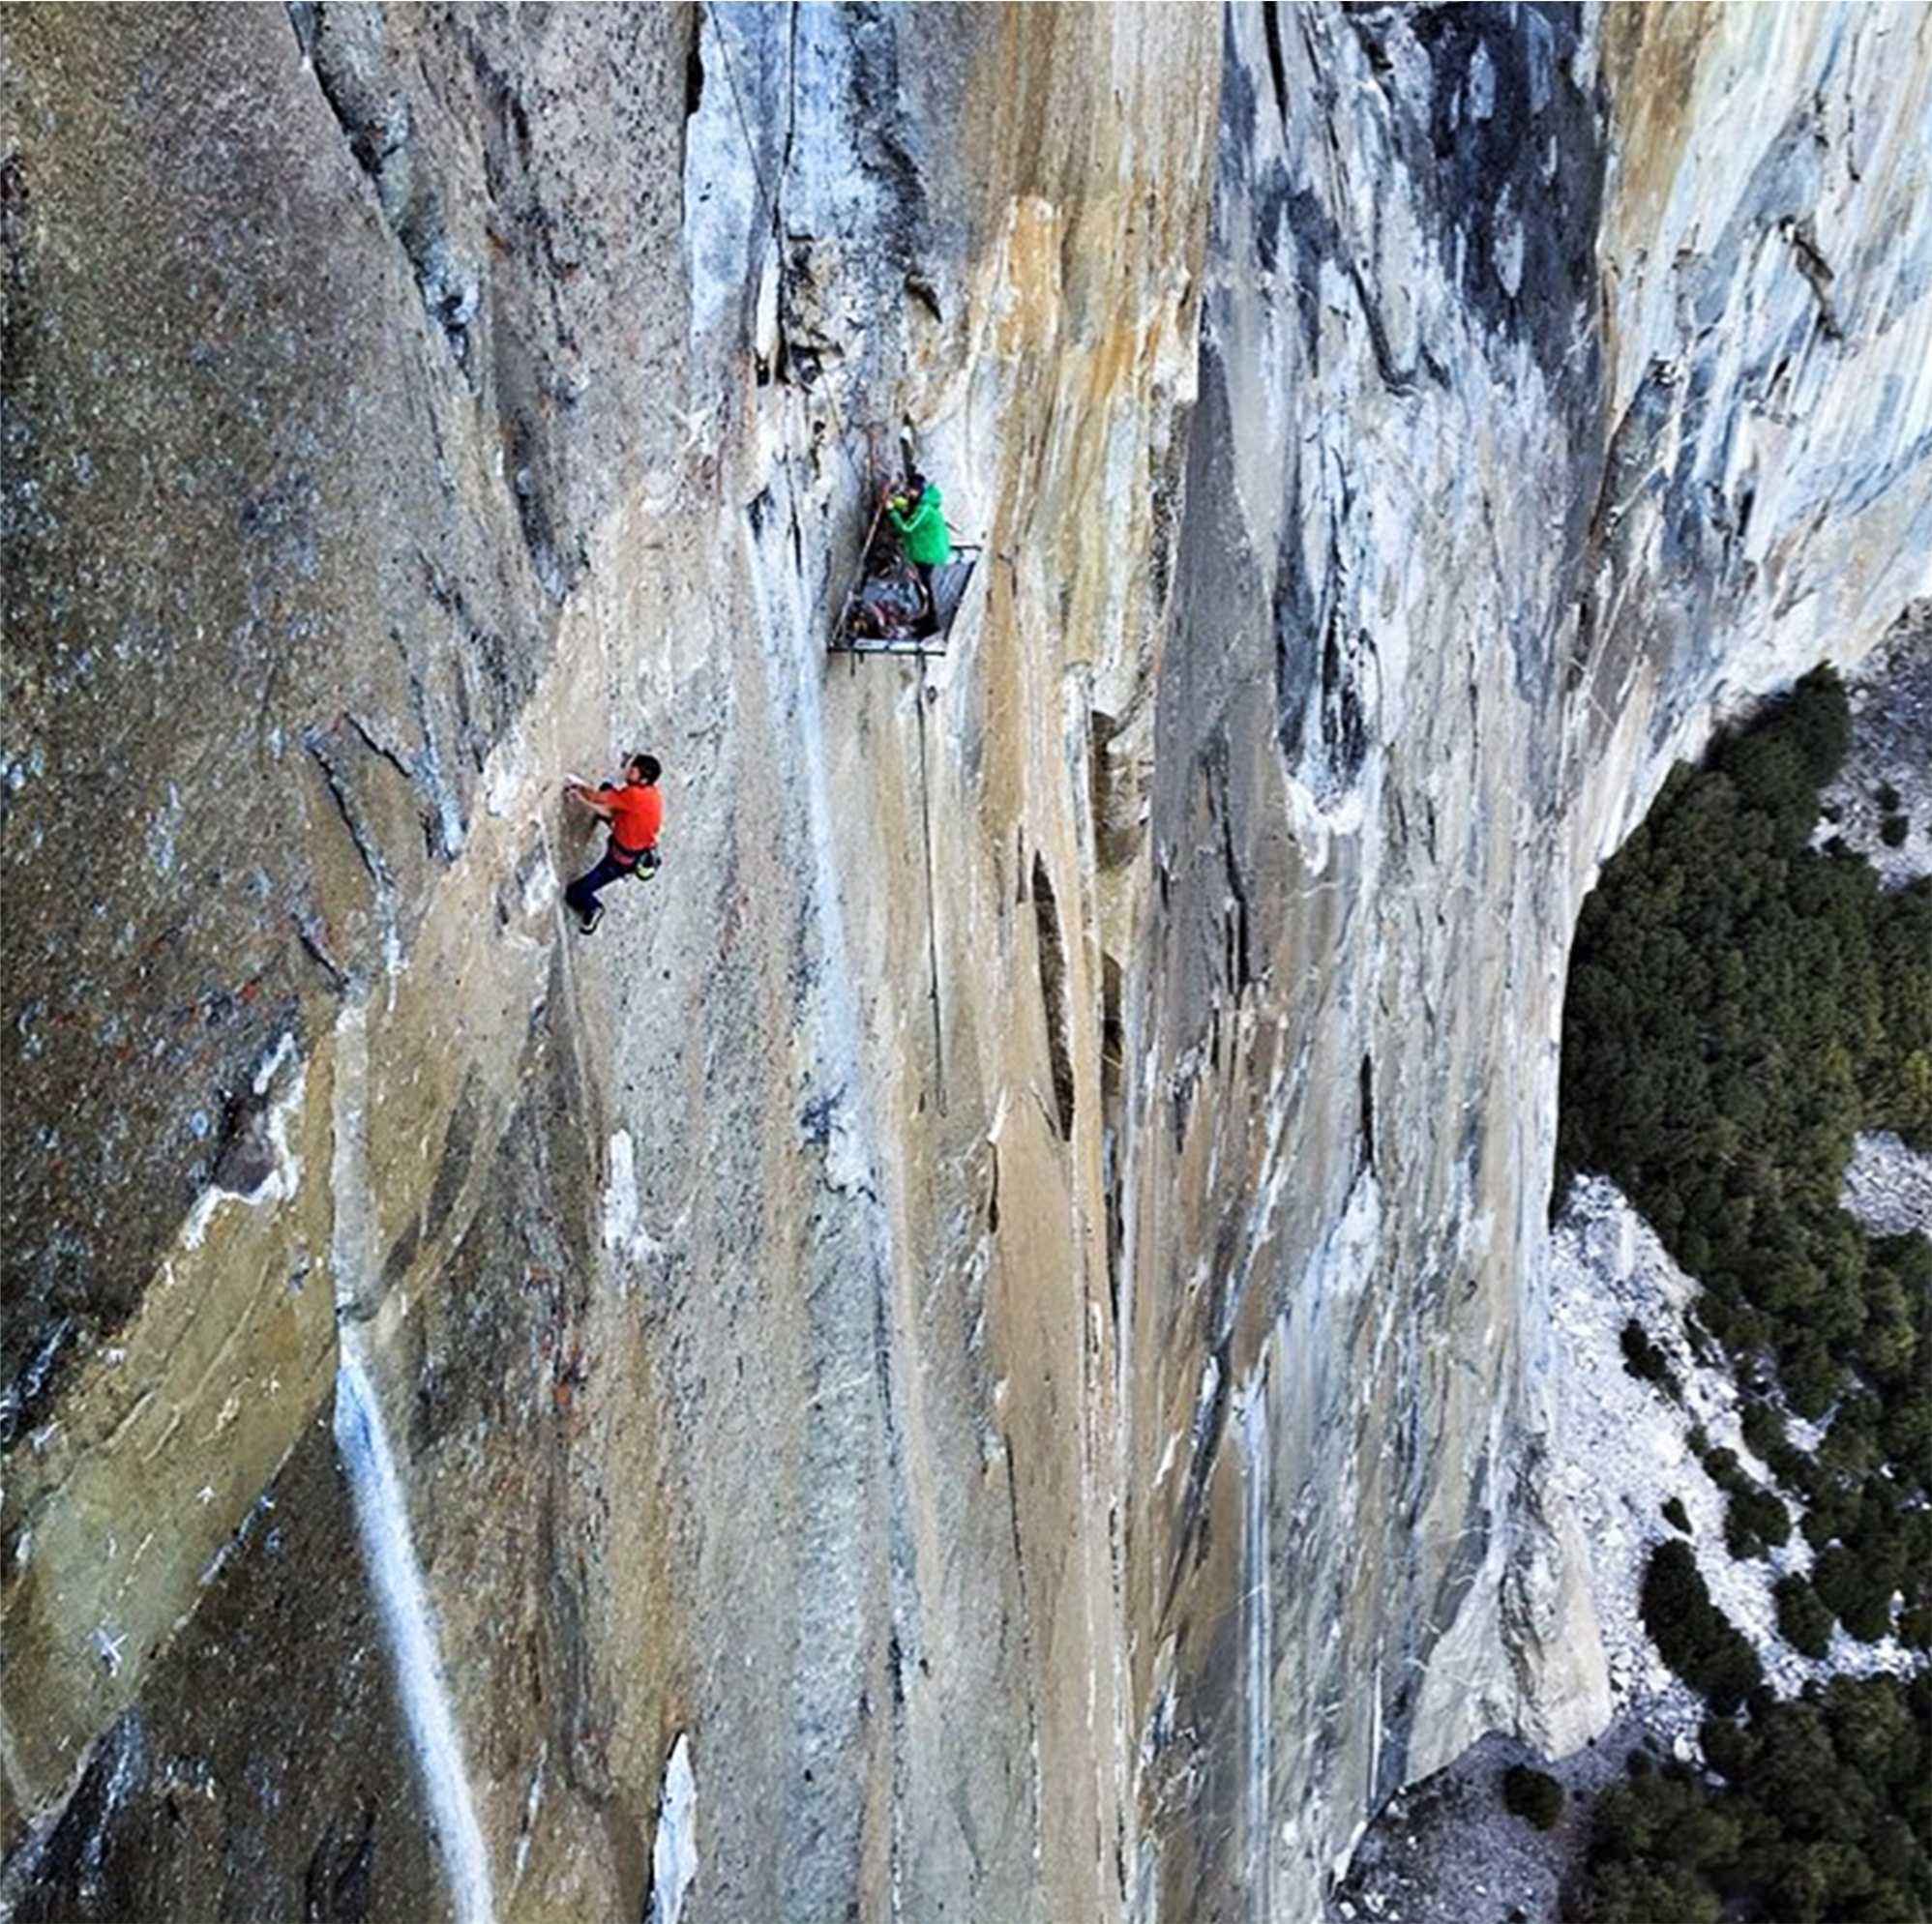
<point x="588" y="923"/>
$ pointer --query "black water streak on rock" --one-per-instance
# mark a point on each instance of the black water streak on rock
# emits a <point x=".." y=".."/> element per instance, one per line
<point x="1530" y="51"/>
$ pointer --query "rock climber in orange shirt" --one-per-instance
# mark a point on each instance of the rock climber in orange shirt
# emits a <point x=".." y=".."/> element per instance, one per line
<point x="634" y="810"/>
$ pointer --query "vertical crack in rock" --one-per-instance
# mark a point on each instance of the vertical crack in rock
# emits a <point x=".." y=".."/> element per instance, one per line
<point x="1365" y="1112"/>
<point x="1277" y="72"/>
<point x="902" y="1577"/>
<point x="1292" y="624"/>
<point x="1629" y="470"/>
<point x="1238" y="961"/>
<point x="1258" y="1586"/>
<point x="1036" y="1784"/>
<point x="1204" y="1449"/>
<point x="1113" y="1123"/>
<point x="1052" y="960"/>
<point x="693" y="75"/>
<point x="1345" y="740"/>
<point x="366" y="846"/>
<point x="382" y="877"/>
<point x="675" y="1848"/>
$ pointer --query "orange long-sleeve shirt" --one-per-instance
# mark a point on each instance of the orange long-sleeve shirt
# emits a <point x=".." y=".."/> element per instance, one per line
<point x="637" y="814"/>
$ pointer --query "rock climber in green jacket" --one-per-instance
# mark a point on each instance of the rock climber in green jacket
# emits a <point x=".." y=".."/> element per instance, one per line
<point x="915" y="511"/>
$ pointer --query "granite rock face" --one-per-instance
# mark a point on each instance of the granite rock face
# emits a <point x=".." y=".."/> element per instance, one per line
<point x="995" y="1311"/>
<point x="1563" y="386"/>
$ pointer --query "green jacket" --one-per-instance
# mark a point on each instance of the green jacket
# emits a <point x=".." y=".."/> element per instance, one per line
<point x="923" y="532"/>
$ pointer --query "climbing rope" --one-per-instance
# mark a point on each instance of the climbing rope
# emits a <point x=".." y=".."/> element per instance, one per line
<point x="768" y="208"/>
<point x="932" y="920"/>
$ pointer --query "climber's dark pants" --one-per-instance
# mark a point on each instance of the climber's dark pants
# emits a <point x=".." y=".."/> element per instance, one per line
<point x="929" y="621"/>
<point x="581" y="894"/>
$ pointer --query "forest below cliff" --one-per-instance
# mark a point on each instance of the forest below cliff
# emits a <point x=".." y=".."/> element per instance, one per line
<point x="1740" y="1005"/>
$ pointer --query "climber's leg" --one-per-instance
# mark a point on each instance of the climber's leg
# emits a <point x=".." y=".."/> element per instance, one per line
<point x="581" y="894"/>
